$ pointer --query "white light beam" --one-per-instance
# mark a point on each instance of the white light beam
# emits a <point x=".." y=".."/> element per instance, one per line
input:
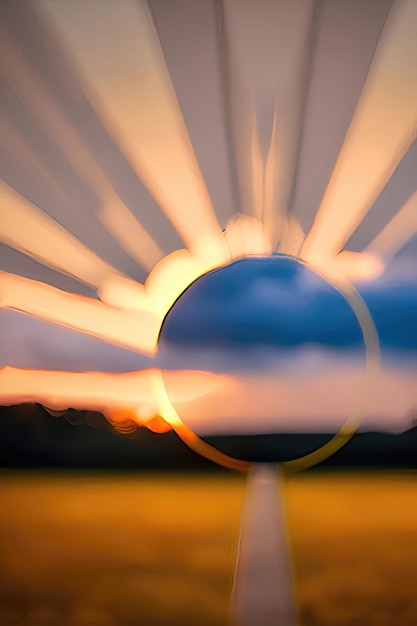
<point x="116" y="47"/>
<point x="383" y="127"/>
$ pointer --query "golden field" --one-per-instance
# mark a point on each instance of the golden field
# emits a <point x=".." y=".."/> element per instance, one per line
<point x="80" y="549"/>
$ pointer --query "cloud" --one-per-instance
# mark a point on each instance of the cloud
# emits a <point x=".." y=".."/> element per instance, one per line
<point x="275" y="302"/>
<point x="254" y="314"/>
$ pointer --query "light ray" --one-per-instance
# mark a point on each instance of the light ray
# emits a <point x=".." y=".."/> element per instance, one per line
<point x="400" y="229"/>
<point x="234" y="239"/>
<point x="245" y="235"/>
<point x="382" y="129"/>
<point x="13" y="143"/>
<point x="27" y="228"/>
<point x="257" y="171"/>
<point x="372" y="261"/>
<point x="114" y="214"/>
<point x="123" y="293"/>
<point x="267" y="46"/>
<point x="116" y="47"/>
<point x="263" y="184"/>
<point x="356" y="266"/>
<point x="136" y="330"/>
<point x="276" y="195"/>
<point x="128" y="231"/>
<point x="292" y="237"/>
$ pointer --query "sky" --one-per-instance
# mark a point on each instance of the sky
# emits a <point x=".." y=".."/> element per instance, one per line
<point x="274" y="301"/>
<point x="256" y="315"/>
<point x="286" y="345"/>
<point x="295" y="348"/>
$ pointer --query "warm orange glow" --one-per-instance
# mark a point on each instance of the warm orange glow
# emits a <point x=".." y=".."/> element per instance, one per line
<point x="127" y="421"/>
<point x="382" y="129"/>
<point x="134" y="397"/>
<point x="357" y="266"/>
<point x="170" y="415"/>
<point x="137" y="330"/>
<point x="245" y="236"/>
<point x="123" y="293"/>
<point x="131" y="391"/>
<point x="114" y="215"/>
<point x="209" y="403"/>
<point x="292" y="237"/>
<point x="169" y="279"/>
<point x="51" y="244"/>
<point x="95" y="391"/>
<point x="117" y="49"/>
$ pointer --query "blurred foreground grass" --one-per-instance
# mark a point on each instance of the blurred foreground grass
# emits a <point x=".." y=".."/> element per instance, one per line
<point x="158" y="550"/>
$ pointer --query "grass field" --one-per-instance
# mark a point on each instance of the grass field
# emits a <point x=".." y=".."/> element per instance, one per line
<point x="158" y="550"/>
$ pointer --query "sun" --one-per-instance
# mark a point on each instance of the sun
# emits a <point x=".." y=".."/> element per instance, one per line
<point x="106" y="66"/>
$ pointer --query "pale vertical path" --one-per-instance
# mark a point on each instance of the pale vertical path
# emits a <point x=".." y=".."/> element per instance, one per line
<point x="117" y="49"/>
<point x="382" y="129"/>
<point x="267" y="48"/>
<point x="262" y="593"/>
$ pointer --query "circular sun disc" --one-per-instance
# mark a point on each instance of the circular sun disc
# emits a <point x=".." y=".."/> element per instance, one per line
<point x="297" y="314"/>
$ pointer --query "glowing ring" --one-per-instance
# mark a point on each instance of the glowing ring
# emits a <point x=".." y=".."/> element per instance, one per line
<point x="372" y="355"/>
